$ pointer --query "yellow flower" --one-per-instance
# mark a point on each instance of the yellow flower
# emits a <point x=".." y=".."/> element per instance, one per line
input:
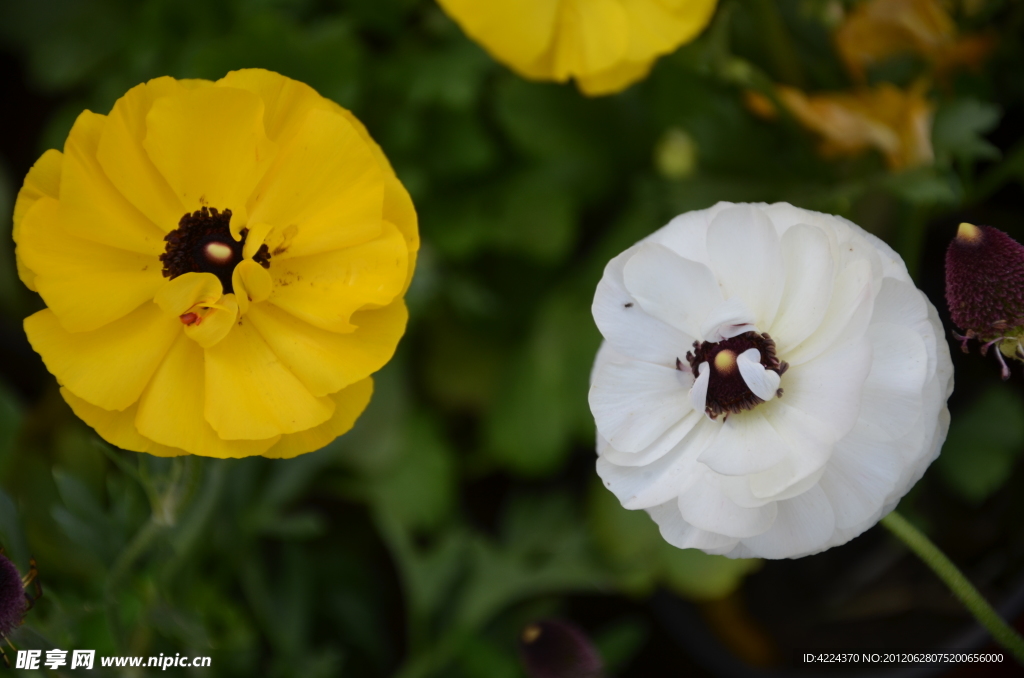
<point x="879" y="29"/>
<point x="896" y="122"/>
<point x="224" y="265"/>
<point x="606" y="45"/>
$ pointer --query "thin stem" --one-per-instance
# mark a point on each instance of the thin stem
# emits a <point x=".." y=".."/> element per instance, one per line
<point x="957" y="583"/>
<point x="139" y="544"/>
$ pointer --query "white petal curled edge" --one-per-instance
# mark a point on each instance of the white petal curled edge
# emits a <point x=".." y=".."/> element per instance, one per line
<point x="744" y="444"/>
<point x="847" y="316"/>
<point x="810" y="275"/>
<point x="859" y="477"/>
<point x="706" y="507"/>
<point x="803" y="525"/>
<point x="682" y="535"/>
<point x="658" y="482"/>
<point x="656" y="450"/>
<point x="627" y="327"/>
<point x="746" y="257"/>
<point x="727" y="320"/>
<point x="892" y="398"/>
<point x="672" y="289"/>
<point x="829" y="388"/>
<point x="699" y="391"/>
<point x="635" y="402"/>
<point x="762" y="382"/>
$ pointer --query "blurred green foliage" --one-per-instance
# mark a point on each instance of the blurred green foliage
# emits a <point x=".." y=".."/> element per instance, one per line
<point x="461" y="507"/>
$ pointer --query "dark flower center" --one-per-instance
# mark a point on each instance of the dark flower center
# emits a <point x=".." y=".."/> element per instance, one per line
<point x="12" y="597"/>
<point x="202" y="243"/>
<point x="727" y="392"/>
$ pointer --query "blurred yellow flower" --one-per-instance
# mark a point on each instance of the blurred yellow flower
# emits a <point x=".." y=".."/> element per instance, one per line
<point x="224" y="265"/>
<point x="606" y="45"/>
<point x="879" y="29"/>
<point x="896" y="122"/>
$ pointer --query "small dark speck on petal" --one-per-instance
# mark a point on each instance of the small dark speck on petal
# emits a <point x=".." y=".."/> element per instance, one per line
<point x="629" y="305"/>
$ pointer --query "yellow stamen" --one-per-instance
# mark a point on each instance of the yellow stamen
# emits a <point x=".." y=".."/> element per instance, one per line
<point x="531" y="633"/>
<point x="968" y="233"/>
<point x="725" y="361"/>
<point x="218" y="252"/>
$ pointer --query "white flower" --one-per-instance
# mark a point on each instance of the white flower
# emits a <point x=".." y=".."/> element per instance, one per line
<point x="771" y="382"/>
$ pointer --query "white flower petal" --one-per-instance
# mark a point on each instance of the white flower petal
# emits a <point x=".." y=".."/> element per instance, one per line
<point x="810" y="445"/>
<point x="892" y="391"/>
<point x="859" y="477"/>
<point x="848" y="314"/>
<point x="699" y="392"/>
<point x="762" y="382"/>
<point x="659" y="481"/>
<point x="627" y="327"/>
<point x="706" y="507"/>
<point x="635" y="402"/>
<point x="727" y="320"/>
<point x="747" y="259"/>
<point x="809" y="279"/>
<point x="829" y="388"/>
<point x="681" y="534"/>
<point x="746" y="443"/>
<point x="900" y="303"/>
<point x="670" y="288"/>
<point x="802" y="526"/>
<point x="656" y="450"/>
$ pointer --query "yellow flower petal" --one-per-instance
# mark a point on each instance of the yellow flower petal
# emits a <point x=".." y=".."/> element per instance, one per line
<point x="256" y="238"/>
<point x="215" y="323"/>
<point x="126" y="162"/>
<point x="657" y="28"/>
<point x="170" y="411"/>
<point x="108" y="367"/>
<point x="348" y="405"/>
<point x="251" y="395"/>
<point x="286" y="102"/>
<point x="117" y="427"/>
<point x="181" y="294"/>
<point x="515" y="33"/>
<point x="326" y="289"/>
<point x="86" y="284"/>
<point x="42" y="180"/>
<point x="398" y="207"/>
<point x="594" y="36"/>
<point x="327" y="361"/>
<point x="251" y="283"/>
<point x="209" y="144"/>
<point x="326" y="181"/>
<point x="614" y="79"/>
<point x="90" y="206"/>
<point x="604" y="44"/>
<point x="894" y="121"/>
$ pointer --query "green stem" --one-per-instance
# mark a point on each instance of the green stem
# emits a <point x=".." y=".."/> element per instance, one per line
<point x="139" y="544"/>
<point x="957" y="583"/>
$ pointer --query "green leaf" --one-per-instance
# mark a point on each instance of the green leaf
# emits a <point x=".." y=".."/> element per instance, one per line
<point x="419" y="491"/>
<point x="983" y="444"/>
<point x="628" y="540"/>
<point x="543" y="398"/>
<point x="921" y="186"/>
<point x="958" y="129"/>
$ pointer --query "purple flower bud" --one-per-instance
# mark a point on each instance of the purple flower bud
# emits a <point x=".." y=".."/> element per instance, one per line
<point x="985" y="281"/>
<point x="13" y="603"/>
<point x="558" y="649"/>
<point x="985" y="289"/>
